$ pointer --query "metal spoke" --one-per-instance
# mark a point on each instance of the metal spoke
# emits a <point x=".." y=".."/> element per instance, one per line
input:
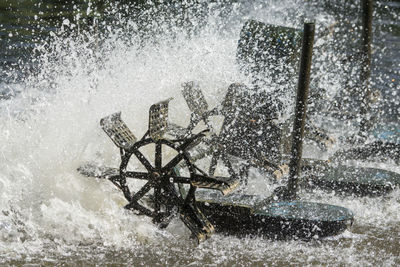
<point x="140" y="208"/>
<point x="228" y="164"/>
<point x="158" y="156"/>
<point x="157" y="196"/>
<point x="146" y="188"/>
<point x="213" y="164"/>
<point x="143" y="160"/>
<point x="138" y="175"/>
<point x="173" y="162"/>
<point x="180" y="179"/>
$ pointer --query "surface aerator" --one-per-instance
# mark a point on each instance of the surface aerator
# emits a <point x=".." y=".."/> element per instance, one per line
<point x="168" y="191"/>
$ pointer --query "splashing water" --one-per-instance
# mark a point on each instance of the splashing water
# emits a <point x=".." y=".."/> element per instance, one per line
<point x="49" y="127"/>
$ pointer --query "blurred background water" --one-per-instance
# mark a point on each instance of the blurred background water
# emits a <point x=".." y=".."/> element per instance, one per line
<point x="25" y="24"/>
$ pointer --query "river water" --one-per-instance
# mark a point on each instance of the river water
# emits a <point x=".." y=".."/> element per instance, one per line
<point x="67" y="64"/>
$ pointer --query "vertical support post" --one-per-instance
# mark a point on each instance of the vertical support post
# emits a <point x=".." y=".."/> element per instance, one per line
<point x="96" y="34"/>
<point x="367" y="10"/>
<point x="301" y="108"/>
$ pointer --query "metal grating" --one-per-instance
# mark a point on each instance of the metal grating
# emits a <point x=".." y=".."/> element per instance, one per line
<point x="158" y="119"/>
<point x="194" y="98"/>
<point x="118" y="131"/>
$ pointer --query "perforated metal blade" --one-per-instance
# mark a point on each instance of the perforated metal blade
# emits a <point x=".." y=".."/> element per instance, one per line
<point x="158" y="119"/>
<point x="194" y="98"/>
<point x="223" y="184"/>
<point x="235" y="99"/>
<point x="94" y="170"/>
<point x="197" y="222"/>
<point x="118" y="131"/>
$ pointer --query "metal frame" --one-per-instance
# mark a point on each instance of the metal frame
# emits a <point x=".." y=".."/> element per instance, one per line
<point x="222" y="147"/>
<point x="162" y="177"/>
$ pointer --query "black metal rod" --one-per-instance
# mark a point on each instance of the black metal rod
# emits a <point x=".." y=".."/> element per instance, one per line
<point x="158" y="156"/>
<point x="367" y="9"/>
<point x="365" y="75"/>
<point x="301" y="108"/>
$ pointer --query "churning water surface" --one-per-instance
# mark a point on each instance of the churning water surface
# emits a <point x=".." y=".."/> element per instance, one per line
<point x="53" y="99"/>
